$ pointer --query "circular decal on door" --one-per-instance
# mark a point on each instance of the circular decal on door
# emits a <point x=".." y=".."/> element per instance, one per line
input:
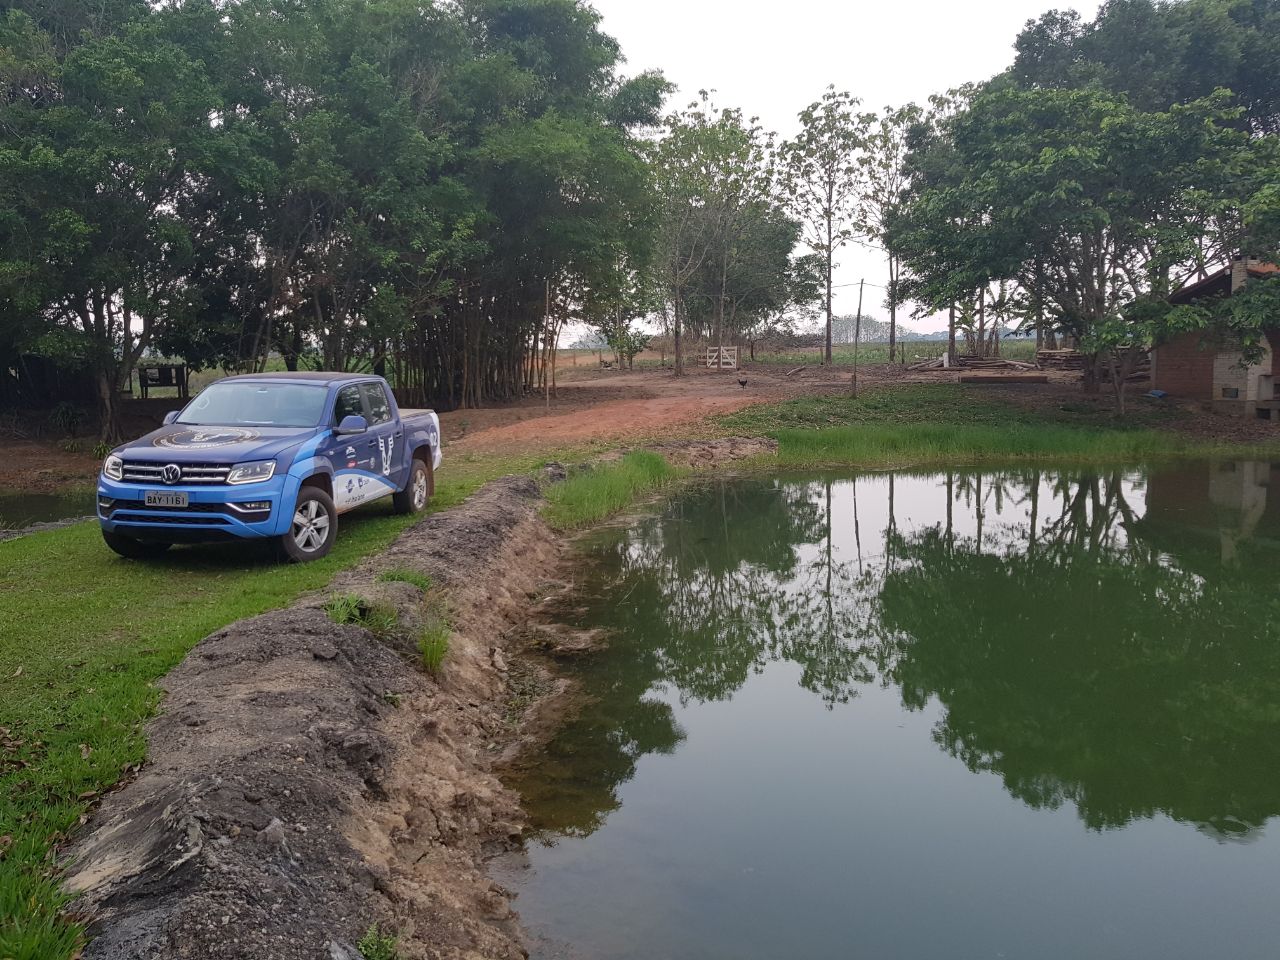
<point x="204" y="438"/>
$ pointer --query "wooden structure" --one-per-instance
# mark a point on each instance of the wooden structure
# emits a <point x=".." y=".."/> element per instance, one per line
<point x="1060" y="359"/>
<point x="1207" y="365"/>
<point x="154" y="376"/>
<point x="722" y="358"/>
<point x="990" y="378"/>
<point x="971" y="362"/>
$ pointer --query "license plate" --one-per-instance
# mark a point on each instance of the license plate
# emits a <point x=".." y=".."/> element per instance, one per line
<point x="162" y="498"/>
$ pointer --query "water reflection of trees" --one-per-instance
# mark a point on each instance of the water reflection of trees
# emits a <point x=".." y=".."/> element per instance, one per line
<point x="1072" y="656"/>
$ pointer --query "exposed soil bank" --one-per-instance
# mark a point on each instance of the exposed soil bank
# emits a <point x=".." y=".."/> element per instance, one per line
<point x="306" y="779"/>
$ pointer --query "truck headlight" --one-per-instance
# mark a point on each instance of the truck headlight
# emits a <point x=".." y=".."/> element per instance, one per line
<point x="252" y="472"/>
<point x="113" y="467"/>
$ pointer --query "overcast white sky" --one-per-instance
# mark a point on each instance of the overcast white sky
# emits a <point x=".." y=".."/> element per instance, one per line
<point x="773" y="58"/>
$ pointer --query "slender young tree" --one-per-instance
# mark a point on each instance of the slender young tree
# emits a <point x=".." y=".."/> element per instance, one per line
<point x="886" y="179"/>
<point x="822" y="177"/>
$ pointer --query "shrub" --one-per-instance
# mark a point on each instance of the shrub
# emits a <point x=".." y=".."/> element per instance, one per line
<point x="376" y="945"/>
<point x="344" y="608"/>
<point x="380" y="619"/>
<point x="66" y="418"/>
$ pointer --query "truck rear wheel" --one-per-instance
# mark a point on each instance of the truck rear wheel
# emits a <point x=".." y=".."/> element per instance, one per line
<point x="313" y="529"/>
<point x="134" y="549"/>
<point x="417" y="492"/>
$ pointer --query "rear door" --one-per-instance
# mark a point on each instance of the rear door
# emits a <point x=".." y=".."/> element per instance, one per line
<point x="386" y="443"/>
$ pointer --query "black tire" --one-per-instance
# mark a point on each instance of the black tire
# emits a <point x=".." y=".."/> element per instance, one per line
<point x="313" y="528"/>
<point x="133" y="549"/>
<point x="417" y="492"/>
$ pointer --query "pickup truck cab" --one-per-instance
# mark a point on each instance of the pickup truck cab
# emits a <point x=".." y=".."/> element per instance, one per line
<point x="274" y="456"/>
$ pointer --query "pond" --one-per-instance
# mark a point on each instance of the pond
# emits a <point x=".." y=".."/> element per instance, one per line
<point x="18" y="510"/>
<point x="972" y="714"/>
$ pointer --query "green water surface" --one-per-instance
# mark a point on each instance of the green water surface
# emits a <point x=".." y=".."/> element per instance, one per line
<point x="18" y="510"/>
<point x="976" y="714"/>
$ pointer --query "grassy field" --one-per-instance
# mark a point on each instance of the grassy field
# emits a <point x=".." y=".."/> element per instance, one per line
<point x="84" y="636"/>
<point x="951" y="423"/>
<point x="909" y="351"/>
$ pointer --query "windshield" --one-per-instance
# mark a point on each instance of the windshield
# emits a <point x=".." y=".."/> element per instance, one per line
<point x="248" y="404"/>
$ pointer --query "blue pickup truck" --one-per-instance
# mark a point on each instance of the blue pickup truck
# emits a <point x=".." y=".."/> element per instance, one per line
<point x="275" y="456"/>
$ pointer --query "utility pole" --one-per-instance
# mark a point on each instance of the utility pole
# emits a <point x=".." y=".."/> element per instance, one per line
<point x="857" y="333"/>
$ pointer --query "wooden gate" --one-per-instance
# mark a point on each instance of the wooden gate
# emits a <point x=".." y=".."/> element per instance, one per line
<point x="723" y="358"/>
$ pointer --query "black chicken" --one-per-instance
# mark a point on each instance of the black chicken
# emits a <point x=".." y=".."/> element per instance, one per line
<point x="742" y="382"/>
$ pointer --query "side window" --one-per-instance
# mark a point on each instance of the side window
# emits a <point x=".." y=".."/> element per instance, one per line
<point x="348" y="404"/>
<point x="375" y="397"/>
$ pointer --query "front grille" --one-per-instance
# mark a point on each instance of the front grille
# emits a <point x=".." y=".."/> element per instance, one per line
<point x="189" y="508"/>
<point x="139" y="472"/>
<point x="143" y="517"/>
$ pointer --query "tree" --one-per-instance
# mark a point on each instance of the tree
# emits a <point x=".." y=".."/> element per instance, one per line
<point x="885" y="176"/>
<point x="97" y="235"/>
<point x="713" y="175"/>
<point x="1102" y="200"/>
<point x="822" y="180"/>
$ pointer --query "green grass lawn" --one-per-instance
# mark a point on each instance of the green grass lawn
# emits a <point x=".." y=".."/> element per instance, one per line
<point x="85" y="635"/>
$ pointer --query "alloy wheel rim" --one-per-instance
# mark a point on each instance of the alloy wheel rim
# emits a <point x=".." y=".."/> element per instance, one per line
<point x="310" y="526"/>
<point x="419" y="489"/>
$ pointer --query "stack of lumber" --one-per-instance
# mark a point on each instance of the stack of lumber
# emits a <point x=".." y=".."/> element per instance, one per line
<point x="1142" y="372"/>
<point x="970" y="362"/>
<point x="1060" y="359"/>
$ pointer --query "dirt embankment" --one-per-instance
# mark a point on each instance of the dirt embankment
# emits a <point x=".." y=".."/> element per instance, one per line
<point x="306" y="779"/>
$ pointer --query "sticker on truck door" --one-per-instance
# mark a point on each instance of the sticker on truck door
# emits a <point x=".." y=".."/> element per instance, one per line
<point x="386" y="446"/>
<point x="351" y="488"/>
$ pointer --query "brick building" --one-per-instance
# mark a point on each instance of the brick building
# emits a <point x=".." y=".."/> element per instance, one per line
<point x="1206" y="365"/>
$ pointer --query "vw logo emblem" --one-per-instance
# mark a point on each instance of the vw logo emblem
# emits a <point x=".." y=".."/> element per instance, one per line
<point x="171" y="473"/>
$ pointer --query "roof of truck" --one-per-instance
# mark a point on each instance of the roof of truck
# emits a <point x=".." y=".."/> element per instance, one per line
<point x="303" y="376"/>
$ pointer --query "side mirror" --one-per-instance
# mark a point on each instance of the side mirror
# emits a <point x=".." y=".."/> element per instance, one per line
<point x="353" y="423"/>
<point x="171" y="416"/>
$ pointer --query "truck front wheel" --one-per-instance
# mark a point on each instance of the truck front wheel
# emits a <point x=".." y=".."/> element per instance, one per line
<point x="313" y="528"/>
<point x="417" y="492"/>
<point x="134" y="549"/>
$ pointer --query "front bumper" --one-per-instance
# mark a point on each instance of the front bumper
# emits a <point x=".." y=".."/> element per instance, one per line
<point x="246" y="512"/>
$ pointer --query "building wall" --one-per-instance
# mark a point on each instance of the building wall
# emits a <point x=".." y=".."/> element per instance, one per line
<point x="1252" y="383"/>
<point x="1182" y="367"/>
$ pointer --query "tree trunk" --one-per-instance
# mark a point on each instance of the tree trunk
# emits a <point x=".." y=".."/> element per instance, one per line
<point x="893" y="311"/>
<point x="982" y="321"/>
<point x="1039" y="307"/>
<point x="830" y="253"/>
<point x="108" y="411"/>
<point x="951" y="335"/>
<point x="675" y="312"/>
<point x="1092" y="373"/>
